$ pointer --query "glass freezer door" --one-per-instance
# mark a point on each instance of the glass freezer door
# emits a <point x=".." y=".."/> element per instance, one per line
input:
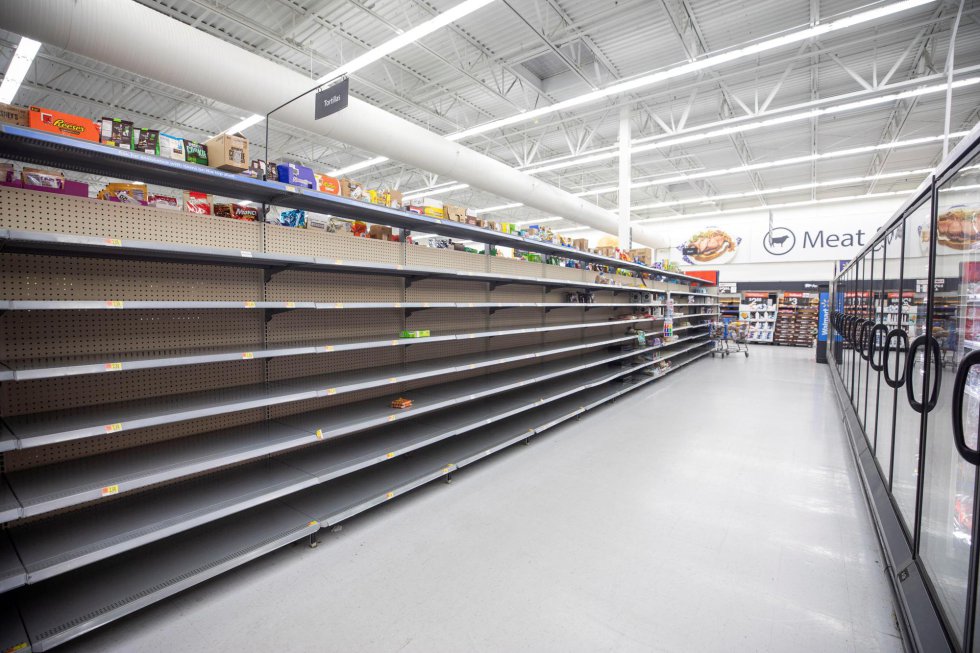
<point x="896" y="305"/>
<point x="948" y="478"/>
<point x="911" y="362"/>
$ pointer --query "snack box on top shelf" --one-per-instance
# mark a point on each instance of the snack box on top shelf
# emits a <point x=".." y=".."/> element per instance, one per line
<point x="455" y="213"/>
<point x="64" y="124"/>
<point x="296" y="175"/>
<point x="146" y="140"/>
<point x="643" y="255"/>
<point x="171" y="147"/>
<point x="393" y="198"/>
<point x="116" y="132"/>
<point x="228" y="152"/>
<point x="327" y="184"/>
<point x="429" y="207"/>
<point x="195" y="152"/>
<point x="14" y="115"/>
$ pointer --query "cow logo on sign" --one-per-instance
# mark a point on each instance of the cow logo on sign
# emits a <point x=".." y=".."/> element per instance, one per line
<point x="778" y="241"/>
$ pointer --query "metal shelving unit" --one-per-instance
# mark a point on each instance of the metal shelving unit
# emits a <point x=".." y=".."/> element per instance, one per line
<point x="233" y="393"/>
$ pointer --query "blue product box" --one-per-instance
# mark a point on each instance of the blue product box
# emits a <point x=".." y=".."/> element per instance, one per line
<point x="297" y="175"/>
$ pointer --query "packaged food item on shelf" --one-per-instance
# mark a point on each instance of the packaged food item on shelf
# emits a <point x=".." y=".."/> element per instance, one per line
<point x="42" y="178"/>
<point x="401" y="402"/>
<point x="393" y="199"/>
<point x="125" y="193"/>
<point x="171" y="147"/>
<point x="199" y="203"/>
<point x="380" y="232"/>
<point x="64" y="124"/>
<point x="7" y="172"/>
<point x="257" y="168"/>
<point x="195" y="153"/>
<point x="245" y="212"/>
<point x="116" y="132"/>
<point x="227" y="152"/>
<point x="327" y="184"/>
<point x="292" y="218"/>
<point x="329" y="224"/>
<point x="352" y="189"/>
<point x="164" y="202"/>
<point x="419" y="333"/>
<point x="430" y="207"/>
<point x="14" y="115"/>
<point x="146" y="141"/>
<point x="581" y="244"/>
<point x="643" y="255"/>
<point x="296" y="175"/>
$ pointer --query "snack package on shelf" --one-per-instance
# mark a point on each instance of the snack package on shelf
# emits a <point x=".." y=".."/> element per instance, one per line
<point x="199" y="203"/>
<point x="327" y="184"/>
<point x="245" y="212"/>
<point x="116" y="132"/>
<point x="42" y="178"/>
<point x="292" y="218"/>
<point x="393" y="199"/>
<point x="296" y="175"/>
<point x="146" y="141"/>
<point x="14" y="115"/>
<point x="164" y="202"/>
<point x="379" y="232"/>
<point x="171" y="147"/>
<point x="227" y="152"/>
<point x="125" y="193"/>
<point x="330" y="224"/>
<point x="455" y="213"/>
<point x="401" y="402"/>
<point x="63" y="124"/>
<point x="419" y="333"/>
<point x="257" y="168"/>
<point x="195" y="153"/>
<point x="7" y="173"/>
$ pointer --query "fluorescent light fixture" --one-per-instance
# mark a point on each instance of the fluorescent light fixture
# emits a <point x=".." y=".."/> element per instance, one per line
<point x="358" y="166"/>
<point x="695" y="66"/>
<point x="829" y="200"/>
<point x="752" y="126"/>
<point x="244" y="123"/>
<point x="403" y="39"/>
<point x="18" y="68"/>
<point x="784" y="189"/>
<point x="438" y="191"/>
<point x="553" y="218"/>
<point x="502" y="207"/>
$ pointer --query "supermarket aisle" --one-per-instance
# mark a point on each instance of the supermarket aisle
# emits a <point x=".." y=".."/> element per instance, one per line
<point x="715" y="511"/>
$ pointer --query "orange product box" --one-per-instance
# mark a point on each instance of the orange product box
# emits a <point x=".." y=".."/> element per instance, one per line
<point x="64" y="124"/>
<point x="327" y="184"/>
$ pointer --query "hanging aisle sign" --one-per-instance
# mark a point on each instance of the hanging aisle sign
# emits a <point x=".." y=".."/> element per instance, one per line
<point x="332" y="99"/>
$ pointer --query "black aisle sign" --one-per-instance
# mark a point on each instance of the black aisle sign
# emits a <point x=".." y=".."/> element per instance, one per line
<point x="333" y="99"/>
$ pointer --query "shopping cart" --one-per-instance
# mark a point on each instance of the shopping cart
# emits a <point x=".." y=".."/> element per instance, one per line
<point x="738" y="337"/>
<point x="718" y="335"/>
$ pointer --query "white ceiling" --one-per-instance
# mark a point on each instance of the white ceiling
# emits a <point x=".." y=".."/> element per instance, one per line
<point x="515" y="55"/>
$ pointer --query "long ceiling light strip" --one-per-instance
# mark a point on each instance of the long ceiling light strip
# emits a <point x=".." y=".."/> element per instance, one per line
<point x="752" y="126"/>
<point x="438" y="191"/>
<point x="17" y="69"/>
<point x="404" y="38"/>
<point x="847" y="181"/>
<point x="695" y="66"/>
<point x="245" y="123"/>
<point x="663" y="75"/>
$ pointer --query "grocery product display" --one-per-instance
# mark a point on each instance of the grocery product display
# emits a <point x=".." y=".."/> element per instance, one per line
<point x="238" y="359"/>
<point x="796" y="319"/>
<point x="758" y="310"/>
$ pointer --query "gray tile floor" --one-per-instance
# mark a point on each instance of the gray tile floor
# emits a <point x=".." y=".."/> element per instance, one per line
<point x="717" y="510"/>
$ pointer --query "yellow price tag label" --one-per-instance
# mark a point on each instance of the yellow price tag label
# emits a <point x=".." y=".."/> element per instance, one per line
<point x="328" y="348"/>
<point x="113" y="242"/>
<point x="397" y="304"/>
<point x="110" y="490"/>
<point x="312" y="523"/>
<point x="425" y="304"/>
<point x="249" y="304"/>
<point x="291" y="189"/>
<point x="114" y="304"/>
<point x="247" y="355"/>
<point x="393" y="380"/>
<point x="338" y="261"/>
<point x="112" y="428"/>
<point x="391" y="418"/>
<point x="290" y="304"/>
<point x="395" y="342"/>
<point x="472" y="366"/>
<point x="338" y="305"/>
<point x="390" y="454"/>
<point x="389" y="495"/>
<point x="113" y="367"/>
<point x="331" y="391"/>
<point x="445" y="470"/>
<point x="319" y="434"/>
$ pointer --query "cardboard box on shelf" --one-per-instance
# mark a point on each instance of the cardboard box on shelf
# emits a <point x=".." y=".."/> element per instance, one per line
<point x="195" y="153"/>
<point x="42" y="178"/>
<point x="296" y="175"/>
<point x="116" y="132"/>
<point x="14" y="115"/>
<point x="430" y="207"/>
<point x="64" y="124"/>
<point x="644" y="255"/>
<point x="393" y="199"/>
<point x="327" y="184"/>
<point x="606" y="251"/>
<point x="172" y="147"/>
<point x="228" y="152"/>
<point x="379" y="232"/>
<point x="352" y="189"/>
<point x="455" y="213"/>
<point x="581" y="244"/>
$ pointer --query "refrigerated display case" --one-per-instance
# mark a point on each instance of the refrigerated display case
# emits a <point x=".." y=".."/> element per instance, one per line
<point x="905" y="328"/>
